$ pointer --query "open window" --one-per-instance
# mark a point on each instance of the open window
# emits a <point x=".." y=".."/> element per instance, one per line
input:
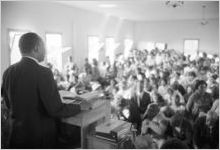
<point x="191" y="47"/>
<point x="110" y="47"/>
<point x="54" y="49"/>
<point x="14" y="37"/>
<point x="94" y="46"/>
<point x="128" y="43"/>
<point x="161" y="46"/>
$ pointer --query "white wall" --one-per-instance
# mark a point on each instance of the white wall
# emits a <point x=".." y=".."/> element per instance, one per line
<point x="174" y="33"/>
<point x="74" y="24"/>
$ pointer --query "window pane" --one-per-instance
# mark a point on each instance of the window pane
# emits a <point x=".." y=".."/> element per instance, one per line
<point x="14" y="37"/>
<point x="128" y="43"/>
<point x="110" y="46"/>
<point x="150" y="46"/>
<point x="94" y="47"/>
<point x="191" y="46"/>
<point x="160" y="46"/>
<point x="54" y="50"/>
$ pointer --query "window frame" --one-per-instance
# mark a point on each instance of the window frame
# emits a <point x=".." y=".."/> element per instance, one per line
<point x="191" y="39"/>
<point x="8" y="39"/>
<point x="45" y="39"/>
<point x="127" y="38"/>
<point x="88" y="43"/>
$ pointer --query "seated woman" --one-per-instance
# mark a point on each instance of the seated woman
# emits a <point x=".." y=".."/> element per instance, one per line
<point x="200" y="100"/>
<point x="154" y="122"/>
<point x="158" y="99"/>
<point x="178" y="105"/>
<point x="173" y="96"/>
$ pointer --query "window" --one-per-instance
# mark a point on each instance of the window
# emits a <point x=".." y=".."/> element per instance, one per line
<point x="110" y="47"/>
<point x="94" y="47"/>
<point x="150" y="46"/>
<point x="160" y="46"/>
<point x="128" y="43"/>
<point x="14" y="37"/>
<point x="54" y="49"/>
<point x="191" y="47"/>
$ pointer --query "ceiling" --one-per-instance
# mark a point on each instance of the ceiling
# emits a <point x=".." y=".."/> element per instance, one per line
<point x="149" y="10"/>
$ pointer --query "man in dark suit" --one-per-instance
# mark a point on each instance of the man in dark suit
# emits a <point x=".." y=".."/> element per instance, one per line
<point x="31" y="95"/>
<point x="138" y="105"/>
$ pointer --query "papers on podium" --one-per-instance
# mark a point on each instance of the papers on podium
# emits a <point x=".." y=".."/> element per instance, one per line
<point x="92" y="99"/>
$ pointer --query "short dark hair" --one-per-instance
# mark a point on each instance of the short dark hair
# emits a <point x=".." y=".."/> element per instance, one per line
<point x="198" y="83"/>
<point x="28" y="41"/>
<point x="192" y="73"/>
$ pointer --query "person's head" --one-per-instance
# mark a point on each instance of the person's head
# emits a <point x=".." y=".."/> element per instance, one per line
<point x="56" y="72"/>
<point x="50" y="66"/>
<point x="174" y="143"/>
<point x="192" y="75"/>
<point x="177" y="100"/>
<point x="95" y="62"/>
<point x="163" y="82"/>
<point x="86" y="60"/>
<point x="213" y="78"/>
<point x="70" y="59"/>
<point x="167" y="111"/>
<point x="204" y="70"/>
<point x="201" y="86"/>
<point x="31" y="44"/>
<point x="211" y="118"/>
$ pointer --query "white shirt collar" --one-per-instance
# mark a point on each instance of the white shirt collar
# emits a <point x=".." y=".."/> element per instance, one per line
<point x="32" y="59"/>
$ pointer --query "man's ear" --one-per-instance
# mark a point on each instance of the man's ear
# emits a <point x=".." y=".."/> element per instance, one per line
<point x="36" y="49"/>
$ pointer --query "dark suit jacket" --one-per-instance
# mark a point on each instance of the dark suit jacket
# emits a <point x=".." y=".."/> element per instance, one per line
<point x="136" y="111"/>
<point x="31" y="95"/>
<point x="203" y="137"/>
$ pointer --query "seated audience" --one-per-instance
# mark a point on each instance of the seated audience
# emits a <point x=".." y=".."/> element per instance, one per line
<point x="171" y="99"/>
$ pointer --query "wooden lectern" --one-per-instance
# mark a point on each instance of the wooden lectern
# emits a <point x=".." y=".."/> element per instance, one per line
<point x="85" y="119"/>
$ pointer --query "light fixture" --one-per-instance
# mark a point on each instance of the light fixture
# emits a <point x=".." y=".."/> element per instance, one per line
<point x="203" y="21"/>
<point x="174" y="4"/>
<point x="107" y="5"/>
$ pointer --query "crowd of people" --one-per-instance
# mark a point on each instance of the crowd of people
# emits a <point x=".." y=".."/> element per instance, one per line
<point x="171" y="99"/>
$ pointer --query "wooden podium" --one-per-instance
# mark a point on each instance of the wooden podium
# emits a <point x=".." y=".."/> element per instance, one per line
<point x="85" y="119"/>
